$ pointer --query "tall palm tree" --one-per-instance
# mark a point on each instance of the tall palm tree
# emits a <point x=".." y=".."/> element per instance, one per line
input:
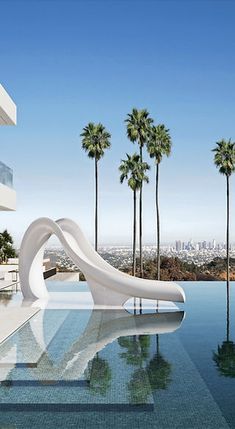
<point x="224" y="160"/>
<point x="133" y="170"/>
<point x="138" y="128"/>
<point x="159" y="144"/>
<point x="95" y="140"/>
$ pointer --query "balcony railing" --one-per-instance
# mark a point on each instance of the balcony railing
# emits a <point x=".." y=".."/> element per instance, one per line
<point x="6" y="175"/>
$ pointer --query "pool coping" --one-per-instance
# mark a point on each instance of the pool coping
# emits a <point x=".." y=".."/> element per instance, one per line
<point x="13" y="318"/>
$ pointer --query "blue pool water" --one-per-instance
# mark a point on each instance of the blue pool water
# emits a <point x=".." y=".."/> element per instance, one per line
<point x="111" y="369"/>
<point x="61" y="286"/>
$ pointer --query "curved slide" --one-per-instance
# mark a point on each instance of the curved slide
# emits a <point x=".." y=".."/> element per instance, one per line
<point x="109" y="286"/>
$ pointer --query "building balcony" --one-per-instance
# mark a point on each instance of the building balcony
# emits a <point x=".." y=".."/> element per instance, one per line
<point x="7" y="108"/>
<point x="7" y="117"/>
<point x="7" y="193"/>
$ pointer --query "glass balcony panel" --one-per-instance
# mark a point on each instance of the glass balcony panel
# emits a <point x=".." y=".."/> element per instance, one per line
<point x="6" y="175"/>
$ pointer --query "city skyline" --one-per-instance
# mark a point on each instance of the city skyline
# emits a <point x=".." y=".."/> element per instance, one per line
<point x="205" y="244"/>
<point x="121" y="256"/>
<point x="60" y="84"/>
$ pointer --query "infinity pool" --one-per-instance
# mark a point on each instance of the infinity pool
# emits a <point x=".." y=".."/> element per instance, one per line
<point x="112" y="369"/>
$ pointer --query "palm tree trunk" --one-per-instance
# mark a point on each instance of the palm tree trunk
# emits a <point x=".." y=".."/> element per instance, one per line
<point x="227" y="235"/>
<point x="134" y="236"/>
<point x="96" y="204"/>
<point x="157" y="344"/>
<point x="158" y="223"/>
<point x="140" y="219"/>
<point x="228" y="309"/>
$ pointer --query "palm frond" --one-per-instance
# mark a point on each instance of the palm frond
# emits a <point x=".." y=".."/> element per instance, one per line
<point x="224" y="156"/>
<point x="133" y="170"/>
<point x="95" y="140"/>
<point x="159" y="143"/>
<point x="138" y="126"/>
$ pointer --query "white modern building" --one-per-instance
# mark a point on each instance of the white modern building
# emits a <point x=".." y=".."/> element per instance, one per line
<point x="7" y="117"/>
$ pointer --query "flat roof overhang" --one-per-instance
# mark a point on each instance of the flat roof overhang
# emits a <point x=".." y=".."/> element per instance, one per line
<point x="7" y="108"/>
<point x="7" y="198"/>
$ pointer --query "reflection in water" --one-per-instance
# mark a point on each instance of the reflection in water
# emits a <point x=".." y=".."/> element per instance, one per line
<point x="148" y="377"/>
<point x="135" y="354"/>
<point x="225" y="356"/>
<point x="99" y="374"/>
<point x="136" y="349"/>
<point x="159" y="370"/>
<point x="71" y="353"/>
<point x="139" y="387"/>
<point x="6" y="297"/>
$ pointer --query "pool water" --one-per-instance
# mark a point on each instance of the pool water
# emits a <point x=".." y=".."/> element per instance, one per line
<point x="112" y="369"/>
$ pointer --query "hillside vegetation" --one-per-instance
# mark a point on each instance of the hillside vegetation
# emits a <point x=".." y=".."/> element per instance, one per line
<point x="176" y="270"/>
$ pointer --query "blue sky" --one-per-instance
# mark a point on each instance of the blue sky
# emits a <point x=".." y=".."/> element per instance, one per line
<point x="66" y="63"/>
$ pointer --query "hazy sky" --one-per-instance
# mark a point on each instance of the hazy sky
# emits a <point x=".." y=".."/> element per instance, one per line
<point x="66" y="63"/>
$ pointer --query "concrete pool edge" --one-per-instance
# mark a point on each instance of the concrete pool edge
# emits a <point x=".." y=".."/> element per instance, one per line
<point x="12" y="319"/>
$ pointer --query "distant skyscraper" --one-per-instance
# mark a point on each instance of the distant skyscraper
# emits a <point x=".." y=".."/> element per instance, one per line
<point x="178" y="245"/>
<point x="190" y="245"/>
<point x="204" y="244"/>
<point x="198" y="246"/>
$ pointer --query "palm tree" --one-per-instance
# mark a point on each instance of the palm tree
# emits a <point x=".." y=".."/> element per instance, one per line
<point x="159" y="144"/>
<point x="7" y="249"/>
<point x="133" y="170"/>
<point x="224" y="160"/>
<point x="95" y="139"/>
<point x="138" y="128"/>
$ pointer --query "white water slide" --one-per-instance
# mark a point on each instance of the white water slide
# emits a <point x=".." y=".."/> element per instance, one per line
<point x="108" y="286"/>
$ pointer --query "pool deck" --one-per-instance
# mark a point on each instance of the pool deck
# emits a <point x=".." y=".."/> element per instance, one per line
<point x="4" y="284"/>
<point x="13" y="318"/>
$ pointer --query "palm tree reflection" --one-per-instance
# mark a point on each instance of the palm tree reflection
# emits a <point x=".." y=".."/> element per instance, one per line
<point x="6" y="298"/>
<point x="139" y="387"/>
<point x="99" y="374"/>
<point x="225" y="356"/>
<point x="159" y="370"/>
<point x="137" y="349"/>
<point x="155" y="375"/>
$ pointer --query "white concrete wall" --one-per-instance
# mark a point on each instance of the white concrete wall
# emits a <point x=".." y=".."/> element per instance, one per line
<point x="5" y="274"/>
<point x="13" y="261"/>
<point x="13" y="264"/>
<point x="8" y="267"/>
<point x="7" y="108"/>
<point x="7" y="198"/>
